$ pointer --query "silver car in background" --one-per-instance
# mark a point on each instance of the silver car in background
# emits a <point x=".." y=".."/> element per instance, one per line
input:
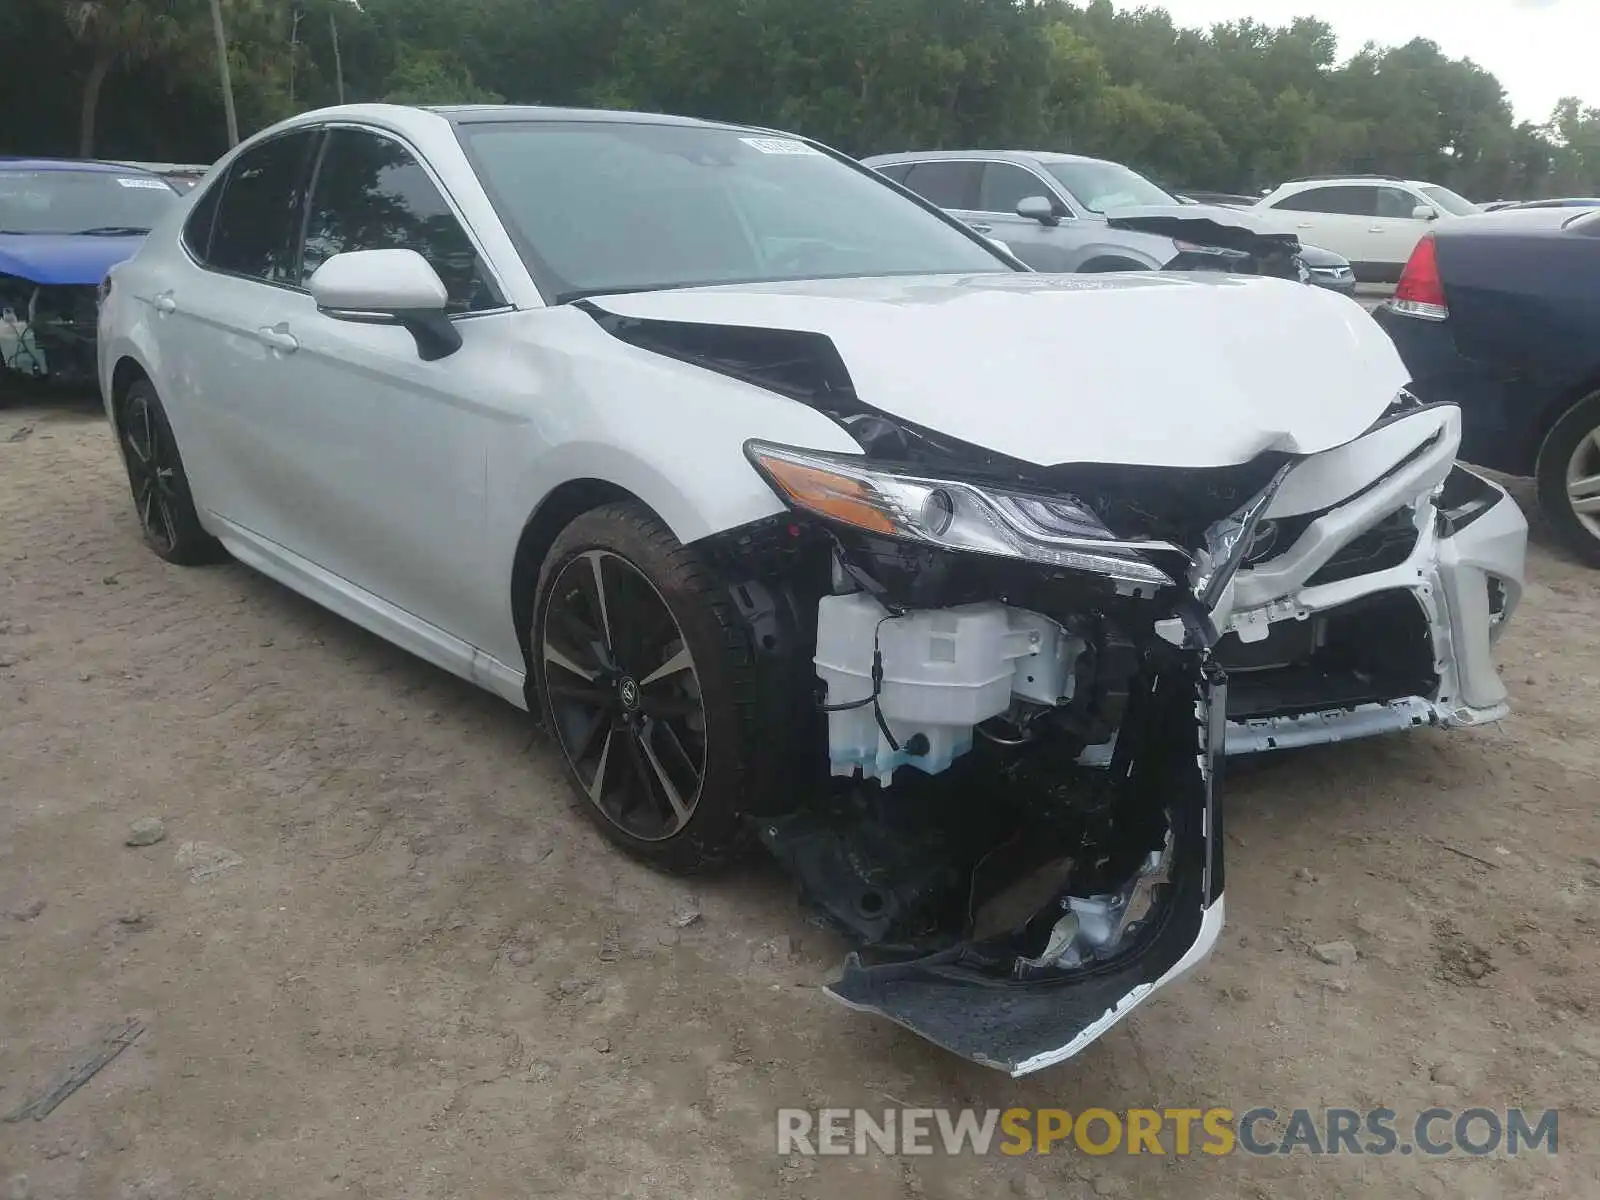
<point x="1069" y="213"/>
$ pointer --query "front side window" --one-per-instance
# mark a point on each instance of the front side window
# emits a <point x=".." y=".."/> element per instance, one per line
<point x="91" y="203"/>
<point x="1344" y="201"/>
<point x="1397" y="203"/>
<point x="1104" y="187"/>
<point x="608" y="206"/>
<point x="1005" y="185"/>
<point x="261" y="205"/>
<point x="371" y="194"/>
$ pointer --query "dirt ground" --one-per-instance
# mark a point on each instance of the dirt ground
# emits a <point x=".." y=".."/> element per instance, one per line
<point x="428" y="977"/>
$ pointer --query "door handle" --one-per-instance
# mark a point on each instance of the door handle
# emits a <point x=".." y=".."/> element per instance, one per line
<point x="277" y="337"/>
<point x="1303" y="225"/>
<point x="983" y="228"/>
<point x="1375" y="229"/>
<point x="165" y="304"/>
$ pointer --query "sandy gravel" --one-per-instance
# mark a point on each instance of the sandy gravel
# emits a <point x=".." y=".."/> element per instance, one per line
<point x="427" y="977"/>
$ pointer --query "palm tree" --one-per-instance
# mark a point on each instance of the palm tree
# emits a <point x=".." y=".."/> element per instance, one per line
<point x="116" y="32"/>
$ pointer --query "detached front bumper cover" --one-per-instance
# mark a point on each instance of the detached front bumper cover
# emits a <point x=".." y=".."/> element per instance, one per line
<point x="992" y="1003"/>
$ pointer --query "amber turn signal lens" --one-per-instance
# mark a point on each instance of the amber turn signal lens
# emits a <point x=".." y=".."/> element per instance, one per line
<point x="828" y="495"/>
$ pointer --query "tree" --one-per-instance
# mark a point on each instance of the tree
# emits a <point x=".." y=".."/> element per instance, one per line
<point x="114" y="32"/>
<point x="1238" y="106"/>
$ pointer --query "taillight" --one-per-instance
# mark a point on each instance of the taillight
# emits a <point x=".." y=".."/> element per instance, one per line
<point x="1420" y="292"/>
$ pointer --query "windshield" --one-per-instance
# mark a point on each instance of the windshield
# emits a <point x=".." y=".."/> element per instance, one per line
<point x="1456" y="206"/>
<point x="600" y="207"/>
<point x="1103" y="187"/>
<point x="81" y="201"/>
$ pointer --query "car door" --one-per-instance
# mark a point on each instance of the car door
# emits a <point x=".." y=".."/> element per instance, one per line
<point x="387" y="454"/>
<point x="1003" y="185"/>
<point x="215" y="317"/>
<point x="1338" y="217"/>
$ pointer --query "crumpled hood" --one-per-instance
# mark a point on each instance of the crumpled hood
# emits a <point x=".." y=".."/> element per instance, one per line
<point x="61" y="258"/>
<point x="1174" y="370"/>
<point x="1208" y="225"/>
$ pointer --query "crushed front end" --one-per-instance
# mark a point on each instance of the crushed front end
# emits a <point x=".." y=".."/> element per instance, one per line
<point x="1012" y="728"/>
<point x="47" y="331"/>
<point x="1373" y="593"/>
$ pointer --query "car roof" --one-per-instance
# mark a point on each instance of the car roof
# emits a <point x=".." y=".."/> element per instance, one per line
<point x="94" y="166"/>
<point x="476" y="114"/>
<point x="1353" y="180"/>
<point x="1023" y="157"/>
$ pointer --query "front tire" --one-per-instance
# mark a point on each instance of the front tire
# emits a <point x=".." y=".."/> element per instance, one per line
<point x="161" y="495"/>
<point x="643" y="677"/>
<point x="1569" y="479"/>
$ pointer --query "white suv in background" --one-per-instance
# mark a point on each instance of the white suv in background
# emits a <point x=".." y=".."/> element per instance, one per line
<point x="1375" y="221"/>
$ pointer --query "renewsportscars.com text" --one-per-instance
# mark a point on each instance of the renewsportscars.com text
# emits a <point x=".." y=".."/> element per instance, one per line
<point x="1166" y="1131"/>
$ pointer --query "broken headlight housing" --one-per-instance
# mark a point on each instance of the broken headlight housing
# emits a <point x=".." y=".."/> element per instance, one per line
<point x="955" y="514"/>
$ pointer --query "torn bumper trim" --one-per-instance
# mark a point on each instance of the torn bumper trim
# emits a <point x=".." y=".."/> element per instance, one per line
<point x="1022" y="1028"/>
<point x="1030" y="1019"/>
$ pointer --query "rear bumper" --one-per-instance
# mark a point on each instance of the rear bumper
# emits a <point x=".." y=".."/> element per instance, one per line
<point x="1496" y="420"/>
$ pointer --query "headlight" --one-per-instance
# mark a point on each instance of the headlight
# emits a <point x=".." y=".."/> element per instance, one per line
<point x="954" y="514"/>
<point x="1228" y="542"/>
<point x="1213" y="251"/>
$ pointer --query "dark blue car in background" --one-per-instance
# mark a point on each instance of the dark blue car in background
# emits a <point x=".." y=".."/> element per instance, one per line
<point x="63" y="225"/>
<point x="1500" y="314"/>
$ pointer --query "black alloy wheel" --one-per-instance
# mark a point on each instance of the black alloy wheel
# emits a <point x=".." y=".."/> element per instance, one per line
<point x="161" y="495"/>
<point x="624" y="695"/>
<point x="150" y="473"/>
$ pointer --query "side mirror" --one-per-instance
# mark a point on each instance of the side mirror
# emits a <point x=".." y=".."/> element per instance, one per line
<point x="1425" y="212"/>
<point x="388" y="287"/>
<point x="1038" y="208"/>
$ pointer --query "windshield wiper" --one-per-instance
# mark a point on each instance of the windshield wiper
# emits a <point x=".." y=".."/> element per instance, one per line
<point x="113" y="231"/>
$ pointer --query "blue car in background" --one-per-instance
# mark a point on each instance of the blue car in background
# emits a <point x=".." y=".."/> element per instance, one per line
<point x="63" y="225"/>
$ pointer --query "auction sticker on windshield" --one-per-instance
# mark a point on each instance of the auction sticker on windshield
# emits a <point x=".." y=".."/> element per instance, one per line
<point x="777" y="145"/>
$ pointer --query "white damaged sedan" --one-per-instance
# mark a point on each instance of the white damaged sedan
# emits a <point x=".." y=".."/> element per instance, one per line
<point x="800" y="516"/>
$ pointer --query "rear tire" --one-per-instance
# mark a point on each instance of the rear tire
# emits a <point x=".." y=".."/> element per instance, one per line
<point x="1569" y="479"/>
<point x="161" y="496"/>
<point x="645" y="680"/>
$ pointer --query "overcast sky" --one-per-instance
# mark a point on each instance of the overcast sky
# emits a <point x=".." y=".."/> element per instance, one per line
<point x="1541" y="50"/>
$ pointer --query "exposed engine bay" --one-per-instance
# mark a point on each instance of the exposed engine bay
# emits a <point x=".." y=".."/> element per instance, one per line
<point x="1008" y="685"/>
<point x="47" y="331"/>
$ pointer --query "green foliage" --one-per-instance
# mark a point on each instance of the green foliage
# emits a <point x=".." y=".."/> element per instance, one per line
<point x="1236" y="107"/>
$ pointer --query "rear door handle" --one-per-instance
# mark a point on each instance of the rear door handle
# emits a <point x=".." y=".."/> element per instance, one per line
<point x="165" y="304"/>
<point x="983" y="228"/>
<point x="1375" y="229"/>
<point x="278" y="337"/>
<point x="1303" y="225"/>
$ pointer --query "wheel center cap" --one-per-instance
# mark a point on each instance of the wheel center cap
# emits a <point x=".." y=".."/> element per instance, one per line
<point x="628" y="690"/>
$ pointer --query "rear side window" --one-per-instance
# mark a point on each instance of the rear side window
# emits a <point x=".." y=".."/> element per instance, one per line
<point x="947" y="184"/>
<point x="1346" y="201"/>
<point x="1005" y="185"/>
<point x="259" y="214"/>
<point x="895" y="171"/>
<point x="197" y="226"/>
<point x="371" y="194"/>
